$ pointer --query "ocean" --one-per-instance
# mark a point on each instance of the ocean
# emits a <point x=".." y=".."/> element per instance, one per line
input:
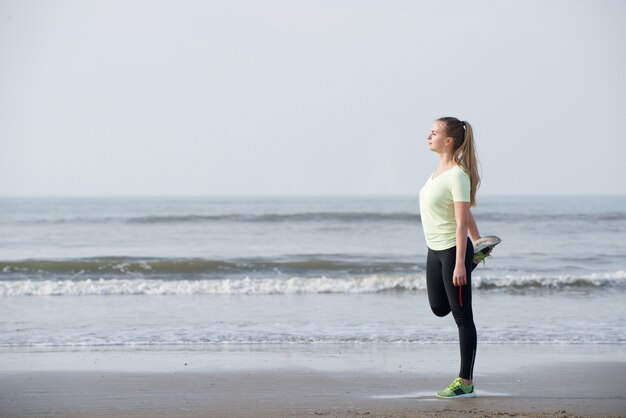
<point x="214" y="272"/>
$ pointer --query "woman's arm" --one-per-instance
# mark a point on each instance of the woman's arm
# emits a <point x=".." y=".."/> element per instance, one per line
<point x="473" y="228"/>
<point x="462" y="214"/>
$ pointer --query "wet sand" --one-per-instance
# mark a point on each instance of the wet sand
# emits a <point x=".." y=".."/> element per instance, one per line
<point x="288" y="383"/>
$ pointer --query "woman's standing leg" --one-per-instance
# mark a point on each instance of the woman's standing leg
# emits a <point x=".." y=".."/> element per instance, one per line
<point x="460" y="300"/>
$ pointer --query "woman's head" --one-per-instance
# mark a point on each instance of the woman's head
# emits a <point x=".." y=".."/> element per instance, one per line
<point x="455" y="129"/>
<point x="459" y="136"/>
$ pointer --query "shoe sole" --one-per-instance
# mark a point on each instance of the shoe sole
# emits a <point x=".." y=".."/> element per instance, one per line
<point x="488" y="241"/>
<point x="467" y="395"/>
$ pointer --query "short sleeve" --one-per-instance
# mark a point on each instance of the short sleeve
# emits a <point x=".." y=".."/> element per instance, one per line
<point x="460" y="186"/>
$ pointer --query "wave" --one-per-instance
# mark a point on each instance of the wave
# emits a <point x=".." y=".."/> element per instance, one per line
<point x="342" y="217"/>
<point x="114" y="265"/>
<point x="291" y="217"/>
<point x="591" y="281"/>
<point x="238" y="217"/>
<point x="294" y="285"/>
<point x="165" y="342"/>
<point x="247" y="286"/>
<point x="515" y="217"/>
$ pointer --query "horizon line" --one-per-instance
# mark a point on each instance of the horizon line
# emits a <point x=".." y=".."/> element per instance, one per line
<point x="282" y="196"/>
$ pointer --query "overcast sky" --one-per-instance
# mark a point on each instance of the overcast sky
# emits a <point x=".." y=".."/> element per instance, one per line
<point x="307" y="97"/>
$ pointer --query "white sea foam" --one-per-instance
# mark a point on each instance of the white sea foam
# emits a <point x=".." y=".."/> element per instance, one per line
<point x="294" y="285"/>
<point x="596" y="280"/>
<point x="247" y="286"/>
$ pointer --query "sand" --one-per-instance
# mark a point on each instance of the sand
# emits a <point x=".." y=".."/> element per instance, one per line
<point x="295" y="382"/>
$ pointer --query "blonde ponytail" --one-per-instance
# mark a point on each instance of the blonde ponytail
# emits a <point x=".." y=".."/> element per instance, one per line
<point x="466" y="157"/>
<point x="464" y="151"/>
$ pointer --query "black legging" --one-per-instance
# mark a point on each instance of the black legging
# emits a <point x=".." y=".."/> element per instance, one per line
<point x="445" y="297"/>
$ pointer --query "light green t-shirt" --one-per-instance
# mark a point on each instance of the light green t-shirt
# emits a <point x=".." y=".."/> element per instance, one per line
<point x="437" y="199"/>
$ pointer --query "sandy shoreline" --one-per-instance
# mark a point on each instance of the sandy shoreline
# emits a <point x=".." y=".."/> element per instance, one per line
<point x="310" y="384"/>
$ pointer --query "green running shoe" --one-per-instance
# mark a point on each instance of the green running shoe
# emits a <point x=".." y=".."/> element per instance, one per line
<point x="480" y="257"/>
<point x="483" y="247"/>
<point x="457" y="389"/>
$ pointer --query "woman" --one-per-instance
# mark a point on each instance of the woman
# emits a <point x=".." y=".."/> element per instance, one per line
<point x="445" y="202"/>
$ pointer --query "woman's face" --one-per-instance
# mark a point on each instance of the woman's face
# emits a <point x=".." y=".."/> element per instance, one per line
<point x="437" y="138"/>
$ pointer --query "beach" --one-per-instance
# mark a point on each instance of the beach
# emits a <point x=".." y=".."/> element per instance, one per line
<point x="260" y="209"/>
<point x="271" y="307"/>
<point x="293" y="381"/>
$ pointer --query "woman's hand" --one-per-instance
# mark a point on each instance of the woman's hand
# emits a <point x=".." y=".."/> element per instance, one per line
<point x="459" y="277"/>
